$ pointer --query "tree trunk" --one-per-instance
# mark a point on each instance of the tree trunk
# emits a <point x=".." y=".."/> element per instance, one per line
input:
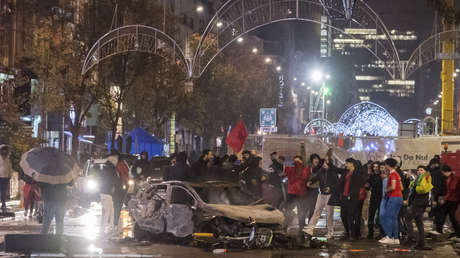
<point x="112" y="139"/>
<point x="75" y="142"/>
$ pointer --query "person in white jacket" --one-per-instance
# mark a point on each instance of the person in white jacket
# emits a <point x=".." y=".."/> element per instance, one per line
<point x="5" y="173"/>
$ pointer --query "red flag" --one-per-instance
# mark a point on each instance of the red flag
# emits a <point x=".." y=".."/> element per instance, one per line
<point x="237" y="136"/>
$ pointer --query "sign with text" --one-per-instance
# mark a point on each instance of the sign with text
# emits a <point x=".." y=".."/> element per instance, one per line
<point x="267" y="117"/>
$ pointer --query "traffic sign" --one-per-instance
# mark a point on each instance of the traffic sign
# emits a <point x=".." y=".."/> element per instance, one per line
<point x="268" y="117"/>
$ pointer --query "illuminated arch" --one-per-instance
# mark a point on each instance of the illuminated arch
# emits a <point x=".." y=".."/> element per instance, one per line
<point x="319" y="127"/>
<point x="429" y="51"/>
<point x="369" y="119"/>
<point x="136" y="38"/>
<point x="236" y="18"/>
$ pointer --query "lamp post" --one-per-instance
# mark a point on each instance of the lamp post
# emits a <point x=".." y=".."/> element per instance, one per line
<point x="319" y="77"/>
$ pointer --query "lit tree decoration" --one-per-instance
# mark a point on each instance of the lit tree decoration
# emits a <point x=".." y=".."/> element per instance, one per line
<point x="368" y="119"/>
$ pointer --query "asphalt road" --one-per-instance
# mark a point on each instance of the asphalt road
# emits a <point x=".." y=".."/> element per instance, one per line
<point x="84" y="224"/>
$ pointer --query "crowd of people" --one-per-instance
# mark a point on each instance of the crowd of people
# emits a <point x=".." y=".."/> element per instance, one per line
<point x="377" y="194"/>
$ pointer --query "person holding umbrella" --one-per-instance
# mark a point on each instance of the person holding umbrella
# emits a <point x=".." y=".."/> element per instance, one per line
<point x="53" y="170"/>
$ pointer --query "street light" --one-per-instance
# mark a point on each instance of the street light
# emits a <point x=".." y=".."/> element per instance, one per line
<point x="303" y="83"/>
<point x="328" y="102"/>
<point x="219" y="24"/>
<point x="255" y="50"/>
<point x="428" y="111"/>
<point x="240" y="40"/>
<point x="295" y="78"/>
<point x="278" y="68"/>
<point x="317" y="76"/>
<point x="268" y="60"/>
<point x="199" y="8"/>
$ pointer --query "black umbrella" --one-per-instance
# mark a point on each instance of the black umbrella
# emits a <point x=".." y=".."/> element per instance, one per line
<point x="49" y="165"/>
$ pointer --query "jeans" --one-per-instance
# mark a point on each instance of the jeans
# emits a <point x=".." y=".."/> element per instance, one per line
<point x="295" y="201"/>
<point x="415" y="213"/>
<point x="107" y="213"/>
<point x="56" y="210"/>
<point x="389" y="221"/>
<point x="321" y="203"/>
<point x="4" y="190"/>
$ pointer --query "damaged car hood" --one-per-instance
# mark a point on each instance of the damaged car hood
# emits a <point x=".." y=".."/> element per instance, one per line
<point x="263" y="213"/>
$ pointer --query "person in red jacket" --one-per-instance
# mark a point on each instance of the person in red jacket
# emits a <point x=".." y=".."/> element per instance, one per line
<point x="297" y="179"/>
<point x="448" y="203"/>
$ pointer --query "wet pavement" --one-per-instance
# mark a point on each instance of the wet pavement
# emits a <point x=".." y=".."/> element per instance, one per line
<point x="85" y="224"/>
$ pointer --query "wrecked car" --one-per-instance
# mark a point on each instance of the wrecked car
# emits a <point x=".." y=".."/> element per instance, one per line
<point x="219" y="210"/>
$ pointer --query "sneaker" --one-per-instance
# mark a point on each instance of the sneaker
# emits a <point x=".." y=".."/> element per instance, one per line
<point x="396" y="241"/>
<point x="386" y="241"/>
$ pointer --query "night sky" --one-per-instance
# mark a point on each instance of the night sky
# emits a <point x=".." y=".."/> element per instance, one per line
<point x="413" y="15"/>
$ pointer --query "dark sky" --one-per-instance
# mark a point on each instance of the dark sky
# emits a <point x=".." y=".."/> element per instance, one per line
<point x="405" y="14"/>
<point x="415" y="15"/>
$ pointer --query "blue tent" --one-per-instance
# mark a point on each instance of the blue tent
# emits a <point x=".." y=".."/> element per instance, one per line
<point x="141" y="141"/>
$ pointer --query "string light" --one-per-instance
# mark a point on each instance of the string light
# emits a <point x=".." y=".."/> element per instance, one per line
<point x="368" y="119"/>
<point x="362" y="119"/>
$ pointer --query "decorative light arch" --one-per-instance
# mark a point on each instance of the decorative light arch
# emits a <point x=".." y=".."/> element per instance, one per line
<point x="429" y="51"/>
<point x="369" y="119"/>
<point x="236" y="18"/>
<point x="136" y="38"/>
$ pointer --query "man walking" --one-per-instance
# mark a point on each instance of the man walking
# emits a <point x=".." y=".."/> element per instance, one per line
<point x="448" y="203"/>
<point x="418" y="201"/>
